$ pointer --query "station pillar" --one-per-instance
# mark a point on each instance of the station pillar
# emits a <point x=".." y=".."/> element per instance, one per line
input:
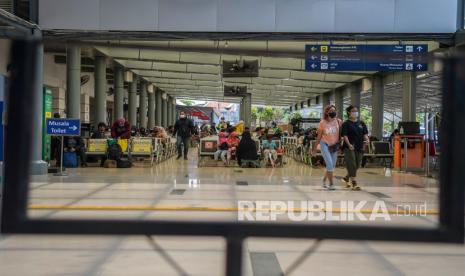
<point x="174" y="111"/>
<point x="326" y="100"/>
<point x="158" y="107"/>
<point x="38" y="166"/>
<point x="143" y="104"/>
<point x="164" y="110"/>
<point x="431" y="127"/>
<point x="169" y="111"/>
<point x="355" y="93"/>
<point x="339" y="102"/>
<point x="132" y="101"/>
<point x="151" y="122"/>
<point x="247" y="105"/>
<point x="100" y="103"/>
<point x="409" y="93"/>
<point x="73" y="82"/>
<point x="377" y="111"/>
<point x="118" y="100"/>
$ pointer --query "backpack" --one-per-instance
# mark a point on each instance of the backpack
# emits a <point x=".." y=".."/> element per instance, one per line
<point x="114" y="152"/>
<point x="123" y="163"/>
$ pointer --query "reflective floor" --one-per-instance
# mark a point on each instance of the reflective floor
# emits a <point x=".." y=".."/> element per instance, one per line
<point x="177" y="189"/>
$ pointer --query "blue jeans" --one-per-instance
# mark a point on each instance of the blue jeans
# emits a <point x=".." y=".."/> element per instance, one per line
<point x="329" y="157"/>
<point x="182" y="141"/>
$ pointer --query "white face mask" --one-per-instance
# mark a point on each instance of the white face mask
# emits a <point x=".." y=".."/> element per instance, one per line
<point x="182" y="116"/>
<point x="354" y="114"/>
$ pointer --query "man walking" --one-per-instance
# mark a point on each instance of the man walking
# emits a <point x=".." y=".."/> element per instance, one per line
<point x="183" y="129"/>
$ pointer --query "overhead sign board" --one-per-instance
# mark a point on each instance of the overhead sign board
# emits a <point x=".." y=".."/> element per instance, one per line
<point x="64" y="127"/>
<point x="321" y="58"/>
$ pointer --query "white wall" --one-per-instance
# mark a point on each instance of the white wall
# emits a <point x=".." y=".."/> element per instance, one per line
<point x="328" y="16"/>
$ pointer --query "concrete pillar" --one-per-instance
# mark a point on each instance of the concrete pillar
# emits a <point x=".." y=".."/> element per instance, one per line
<point x="339" y="102"/>
<point x="164" y="110"/>
<point x="118" y="100"/>
<point x="143" y="104"/>
<point x="158" y="107"/>
<point x="431" y="126"/>
<point x="326" y="100"/>
<point x="174" y="111"/>
<point x="355" y="90"/>
<point x="38" y="166"/>
<point x="377" y="111"/>
<point x="247" y="104"/>
<point x="151" y="122"/>
<point x="73" y="82"/>
<point x="169" y="108"/>
<point x="409" y="94"/>
<point x="132" y="101"/>
<point x="100" y="102"/>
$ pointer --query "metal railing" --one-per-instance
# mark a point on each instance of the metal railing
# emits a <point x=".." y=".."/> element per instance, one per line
<point x="17" y="163"/>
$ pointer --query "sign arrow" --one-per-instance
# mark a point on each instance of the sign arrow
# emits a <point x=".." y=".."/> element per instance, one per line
<point x="313" y="49"/>
<point x="419" y="48"/>
<point x="419" y="66"/>
<point x="73" y="128"/>
<point x="314" y="57"/>
<point x="313" y="66"/>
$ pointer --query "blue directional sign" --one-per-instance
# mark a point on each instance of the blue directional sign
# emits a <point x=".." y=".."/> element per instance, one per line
<point x="321" y="58"/>
<point x="64" y="127"/>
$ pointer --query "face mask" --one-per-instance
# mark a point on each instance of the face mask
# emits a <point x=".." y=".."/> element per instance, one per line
<point x="182" y="116"/>
<point x="354" y="114"/>
<point x="332" y="114"/>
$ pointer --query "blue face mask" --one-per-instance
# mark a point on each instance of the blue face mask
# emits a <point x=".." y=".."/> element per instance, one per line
<point x="355" y="115"/>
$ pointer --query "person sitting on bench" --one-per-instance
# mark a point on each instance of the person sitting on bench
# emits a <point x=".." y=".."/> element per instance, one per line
<point x="222" y="146"/>
<point x="246" y="153"/>
<point x="269" y="149"/>
<point x="121" y="129"/>
<point x="73" y="144"/>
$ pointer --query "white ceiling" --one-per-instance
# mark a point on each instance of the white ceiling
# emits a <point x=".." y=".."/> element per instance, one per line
<point x="192" y="69"/>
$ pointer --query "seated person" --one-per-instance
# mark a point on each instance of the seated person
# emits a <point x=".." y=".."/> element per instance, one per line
<point x="101" y="132"/>
<point x="269" y="148"/>
<point x="142" y="132"/>
<point x="121" y="129"/>
<point x="246" y="152"/>
<point x="73" y="144"/>
<point x="222" y="146"/>
<point x="159" y="132"/>
<point x="233" y="142"/>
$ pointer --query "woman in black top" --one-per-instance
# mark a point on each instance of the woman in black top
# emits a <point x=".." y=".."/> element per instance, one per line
<point x="246" y="152"/>
<point x="355" y="135"/>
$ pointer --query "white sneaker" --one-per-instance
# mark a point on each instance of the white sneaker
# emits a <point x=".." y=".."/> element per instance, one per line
<point x="331" y="187"/>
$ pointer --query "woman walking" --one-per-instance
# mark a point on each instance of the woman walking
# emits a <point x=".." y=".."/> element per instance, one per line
<point x="329" y="140"/>
<point x="355" y="135"/>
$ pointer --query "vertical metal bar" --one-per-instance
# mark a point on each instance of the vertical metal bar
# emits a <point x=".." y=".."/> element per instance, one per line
<point x="460" y="14"/>
<point x="17" y="159"/>
<point x="452" y="174"/>
<point x="234" y="256"/>
<point x="62" y="152"/>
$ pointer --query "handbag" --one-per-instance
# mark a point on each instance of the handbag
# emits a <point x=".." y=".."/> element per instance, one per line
<point x="333" y="148"/>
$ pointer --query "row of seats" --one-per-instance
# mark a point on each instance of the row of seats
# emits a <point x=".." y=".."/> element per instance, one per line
<point x="376" y="150"/>
<point x="209" y="145"/>
<point x="156" y="149"/>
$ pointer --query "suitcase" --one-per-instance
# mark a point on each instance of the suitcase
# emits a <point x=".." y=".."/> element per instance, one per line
<point x="70" y="160"/>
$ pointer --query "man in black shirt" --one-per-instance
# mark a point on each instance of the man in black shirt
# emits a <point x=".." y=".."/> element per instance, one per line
<point x="355" y="135"/>
<point x="183" y="129"/>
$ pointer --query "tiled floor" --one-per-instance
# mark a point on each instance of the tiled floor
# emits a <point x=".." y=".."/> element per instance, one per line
<point x="178" y="190"/>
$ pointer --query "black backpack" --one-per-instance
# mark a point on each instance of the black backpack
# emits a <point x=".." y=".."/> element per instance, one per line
<point x="123" y="163"/>
<point x="114" y="152"/>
